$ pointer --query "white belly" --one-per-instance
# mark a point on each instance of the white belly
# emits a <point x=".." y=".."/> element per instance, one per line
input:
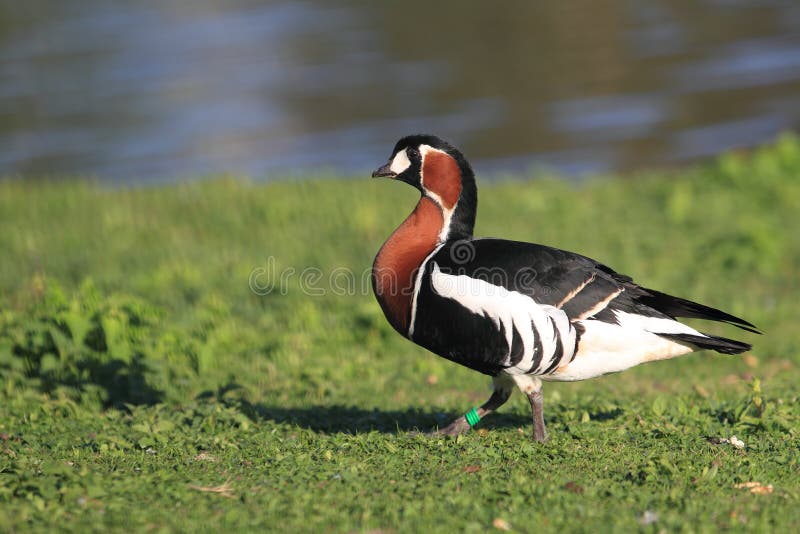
<point x="609" y="348"/>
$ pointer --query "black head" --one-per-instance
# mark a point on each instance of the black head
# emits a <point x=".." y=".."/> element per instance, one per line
<point x="405" y="163"/>
<point x="439" y="171"/>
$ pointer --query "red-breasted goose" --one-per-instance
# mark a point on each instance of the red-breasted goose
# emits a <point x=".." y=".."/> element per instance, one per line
<point x="518" y="312"/>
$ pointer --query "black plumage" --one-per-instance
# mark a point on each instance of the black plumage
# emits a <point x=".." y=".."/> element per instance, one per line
<point x="551" y="276"/>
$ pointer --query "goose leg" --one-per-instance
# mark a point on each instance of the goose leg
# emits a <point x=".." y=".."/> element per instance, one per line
<point x="532" y="387"/>
<point x="502" y="391"/>
<point x="537" y="408"/>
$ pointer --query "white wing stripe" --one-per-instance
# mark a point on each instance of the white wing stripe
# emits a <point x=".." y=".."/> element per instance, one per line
<point x="600" y="306"/>
<point x="571" y="294"/>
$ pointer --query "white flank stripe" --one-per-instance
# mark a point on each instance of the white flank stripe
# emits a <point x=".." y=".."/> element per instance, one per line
<point x="510" y="310"/>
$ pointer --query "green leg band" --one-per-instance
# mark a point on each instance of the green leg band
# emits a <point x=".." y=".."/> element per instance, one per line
<point x="472" y="417"/>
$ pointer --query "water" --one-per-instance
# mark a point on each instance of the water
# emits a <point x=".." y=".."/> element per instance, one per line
<point x="149" y="91"/>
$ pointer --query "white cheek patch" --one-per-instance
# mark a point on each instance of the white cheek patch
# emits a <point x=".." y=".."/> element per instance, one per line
<point x="400" y="162"/>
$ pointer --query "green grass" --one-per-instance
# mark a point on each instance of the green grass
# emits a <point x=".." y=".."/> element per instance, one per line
<point x="140" y="371"/>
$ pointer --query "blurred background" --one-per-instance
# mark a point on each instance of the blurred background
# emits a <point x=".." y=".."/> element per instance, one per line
<point x="158" y="343"/>
<point x="145" y="92"/>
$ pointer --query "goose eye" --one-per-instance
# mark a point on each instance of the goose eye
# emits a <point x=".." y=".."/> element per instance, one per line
<point x="413" y="153"/>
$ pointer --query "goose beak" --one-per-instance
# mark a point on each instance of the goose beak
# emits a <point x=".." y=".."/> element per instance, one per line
<point x="384" y="172"/>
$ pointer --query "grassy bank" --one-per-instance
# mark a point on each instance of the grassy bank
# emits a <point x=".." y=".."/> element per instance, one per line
<point x="206" y="357"/>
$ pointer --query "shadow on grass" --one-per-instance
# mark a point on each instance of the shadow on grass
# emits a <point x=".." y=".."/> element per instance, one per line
<point x="85" y="348"/>
<point x="85" y="375"/>
<point x="607" y="415"/>
<point x="352" y="419"/>
<point x="115" y="383"/>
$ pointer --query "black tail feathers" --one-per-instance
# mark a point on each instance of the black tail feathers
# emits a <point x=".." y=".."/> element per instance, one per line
<point x="678" y="307"/>
<point x="722" y="345"/>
